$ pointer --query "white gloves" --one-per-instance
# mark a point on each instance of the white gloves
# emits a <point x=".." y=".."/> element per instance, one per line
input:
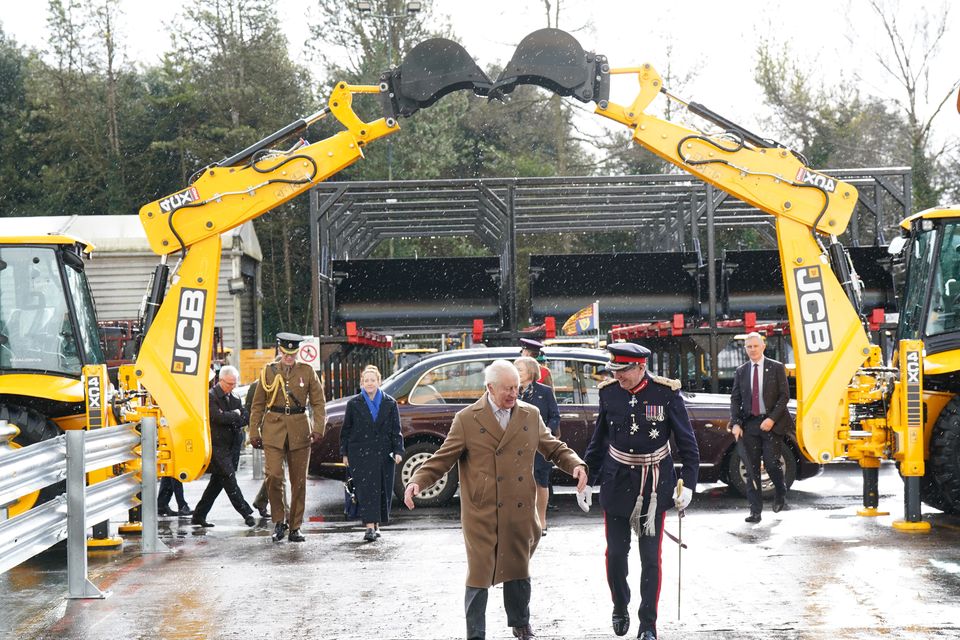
<point x="585" y="498"/>
<point x="682" y="498"/>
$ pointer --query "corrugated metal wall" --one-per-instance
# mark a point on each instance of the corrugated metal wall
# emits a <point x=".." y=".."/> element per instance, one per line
<point x="119" y="281"/>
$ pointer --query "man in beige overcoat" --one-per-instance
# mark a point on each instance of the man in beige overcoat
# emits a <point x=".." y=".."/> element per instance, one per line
<point x="280" y="426"/>
<point x="495" y="440"/>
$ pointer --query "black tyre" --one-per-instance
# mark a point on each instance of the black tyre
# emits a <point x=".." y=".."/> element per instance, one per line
<point x="34" y="427"/>
<point x="737" y="472"/>
<point x="930" y="493"/>
<point x="944" y="464"/>
<point x="434" y="496"/>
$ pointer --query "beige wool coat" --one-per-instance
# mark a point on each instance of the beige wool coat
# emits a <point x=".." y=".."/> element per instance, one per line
<point x="497" y="491"/>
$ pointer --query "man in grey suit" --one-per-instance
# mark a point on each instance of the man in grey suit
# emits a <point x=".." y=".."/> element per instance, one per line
<point x="759" y="416"/>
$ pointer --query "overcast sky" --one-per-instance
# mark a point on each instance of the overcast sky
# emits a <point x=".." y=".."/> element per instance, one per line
<point x="716" y="39"/>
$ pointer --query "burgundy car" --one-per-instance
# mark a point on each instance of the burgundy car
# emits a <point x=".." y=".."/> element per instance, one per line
<point x="432" y="390"/>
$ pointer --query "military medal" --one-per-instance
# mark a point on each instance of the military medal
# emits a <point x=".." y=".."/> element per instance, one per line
<point x="654" y="434"/>
<point x="301" y="382"/>
<point x="654" y="413"/>
<point x="634" y="427"/>
<point x="633" y="401"/>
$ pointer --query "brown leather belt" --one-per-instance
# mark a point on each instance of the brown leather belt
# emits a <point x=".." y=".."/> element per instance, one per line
<point x="287" y="410"/>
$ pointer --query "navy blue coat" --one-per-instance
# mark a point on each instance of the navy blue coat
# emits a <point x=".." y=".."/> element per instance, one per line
<point x="659" y="413"/>
<point x="370" y="447"/>
<point x="541" y="396"/>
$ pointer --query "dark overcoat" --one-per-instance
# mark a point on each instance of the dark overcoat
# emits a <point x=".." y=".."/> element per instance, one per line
<point x="501" y="528"/>
<point x="658" y="412"/>
<point x="541" y="396"/>
<point x="370" y="446"/>
<point x="227" y="419"/>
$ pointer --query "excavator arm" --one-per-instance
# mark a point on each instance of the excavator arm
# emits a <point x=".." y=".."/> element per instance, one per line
<point x="811" y="210"/>
<point x="850" y="404"/>
<point x="170" y="376"/>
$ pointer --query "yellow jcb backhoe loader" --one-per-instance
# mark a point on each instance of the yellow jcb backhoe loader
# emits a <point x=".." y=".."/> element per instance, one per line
<point x="52" y="368"/>
<point x="851" y="404"/>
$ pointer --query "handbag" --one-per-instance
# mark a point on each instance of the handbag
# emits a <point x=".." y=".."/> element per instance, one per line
<point x="351" y="508"/>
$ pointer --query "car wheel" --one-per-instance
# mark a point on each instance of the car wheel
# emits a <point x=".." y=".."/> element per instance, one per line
<point x="737" y="472"/>
<point x="34" y="427"/>
<point x="437" y="495"/>
<point x="944" y="492"/>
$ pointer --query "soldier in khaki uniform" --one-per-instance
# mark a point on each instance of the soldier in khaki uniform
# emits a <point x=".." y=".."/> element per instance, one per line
<point x="279" y="425"/>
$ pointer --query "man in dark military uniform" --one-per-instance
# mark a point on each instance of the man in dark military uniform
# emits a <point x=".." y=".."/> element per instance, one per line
<point x="279" y="425"/>
<point x="630" y="455"/>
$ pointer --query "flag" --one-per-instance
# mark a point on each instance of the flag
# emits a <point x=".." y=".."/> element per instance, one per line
<point x="583" y="321"/>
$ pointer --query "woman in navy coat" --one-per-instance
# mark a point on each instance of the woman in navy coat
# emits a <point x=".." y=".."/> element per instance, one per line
<point x="371" y="445"/>
<point x="541" y="396"/>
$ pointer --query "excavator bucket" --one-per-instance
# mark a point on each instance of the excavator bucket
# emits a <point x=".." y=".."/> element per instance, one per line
<point x="430" y="71"/>
<point x="554" y="60"/>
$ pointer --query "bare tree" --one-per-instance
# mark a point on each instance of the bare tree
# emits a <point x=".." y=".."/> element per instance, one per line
<point x="908" y="58"/>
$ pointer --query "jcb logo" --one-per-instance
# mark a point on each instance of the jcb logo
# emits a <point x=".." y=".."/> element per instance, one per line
<point x="186" y="342"/>
<point x="813" y="310"/>
<point x="177" y="200"/>
<point x="826" y="183"/>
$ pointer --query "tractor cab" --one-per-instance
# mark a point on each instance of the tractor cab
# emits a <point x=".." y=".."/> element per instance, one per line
<point x="48" y="325"/>
<point x="930" y="308"/>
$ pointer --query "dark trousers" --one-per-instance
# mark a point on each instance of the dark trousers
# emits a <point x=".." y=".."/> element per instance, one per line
<point x="767" y="445"/>
<point x="223" y="475"/>
<point x="619" y="533"/>
<point x="169" y="488"/>
<point x="516" y="602"/>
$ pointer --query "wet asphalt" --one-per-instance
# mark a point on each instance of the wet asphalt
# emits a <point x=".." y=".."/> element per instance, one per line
<point x="814" y="571"/>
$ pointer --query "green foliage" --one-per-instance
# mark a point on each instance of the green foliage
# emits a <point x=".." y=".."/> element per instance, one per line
<point x="834" y="127"/>
<point x="19" y="192"/>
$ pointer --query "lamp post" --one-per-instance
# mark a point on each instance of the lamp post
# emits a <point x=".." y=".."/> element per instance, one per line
<point x="413" y="7"/>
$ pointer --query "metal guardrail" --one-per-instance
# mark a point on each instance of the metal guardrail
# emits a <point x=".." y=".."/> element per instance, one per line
<point x="67" y="517"/>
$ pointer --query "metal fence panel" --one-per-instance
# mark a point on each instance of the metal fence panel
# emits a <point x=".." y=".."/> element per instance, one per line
<point x="29" y="469"/>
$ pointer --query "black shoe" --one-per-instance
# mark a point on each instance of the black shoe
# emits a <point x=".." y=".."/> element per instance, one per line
<point x="165" y="512"/>
<point x="779" y="504"/>
<point x="262" y="510"/>
<point x="197" y="522"/>
<point x="296" y="536"/>
<point x="279" y="531"/>
<point x="621" y="622"/>
<point x="370" y="535"/>
<point x="647" y="635"/>
<point x="185" y="510"/>
<point x="753" y="518"/>
<point x="249" y="520"/>
<point x="524" y="632"/>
